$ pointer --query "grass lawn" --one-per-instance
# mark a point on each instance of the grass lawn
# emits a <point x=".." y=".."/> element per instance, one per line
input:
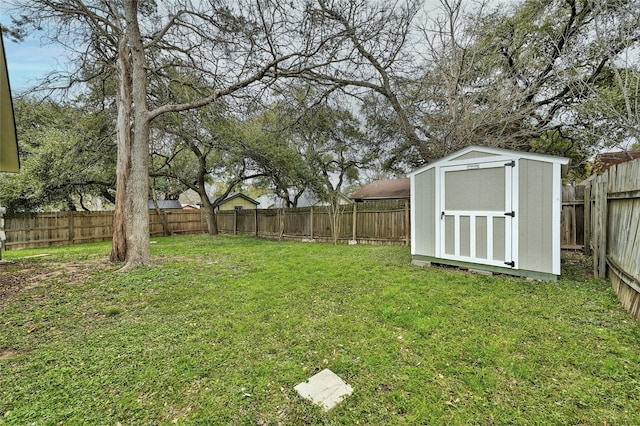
<point x="220" y="330"/>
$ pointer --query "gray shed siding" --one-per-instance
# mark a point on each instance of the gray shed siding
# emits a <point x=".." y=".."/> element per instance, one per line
<point x="457" y="205"/>
<point x="425" y="208"/>
<point x="536" y="215"/>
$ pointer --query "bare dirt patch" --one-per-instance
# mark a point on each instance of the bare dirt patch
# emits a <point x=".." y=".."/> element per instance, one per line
<point x="8" y="353"/>
<point x="17" y="276"/>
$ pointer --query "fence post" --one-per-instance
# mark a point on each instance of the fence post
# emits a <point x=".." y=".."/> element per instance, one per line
<point x="70" y="227"/>
<point x="600" y="231"/>
<point x="235" y="222"/>
<point x="587" y="219"/>
<point x="255" y="220"/>
<point x="355" y="222"/>
<point x="311" y="219"/>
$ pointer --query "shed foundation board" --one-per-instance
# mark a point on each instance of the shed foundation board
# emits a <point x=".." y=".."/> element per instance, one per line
<point x="480" y="271"/>
<point x="420" y="263"/>
<point x="488" y="268"/>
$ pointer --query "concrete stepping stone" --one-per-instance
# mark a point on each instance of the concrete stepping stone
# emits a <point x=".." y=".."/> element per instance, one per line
<point x="325" y="389"/>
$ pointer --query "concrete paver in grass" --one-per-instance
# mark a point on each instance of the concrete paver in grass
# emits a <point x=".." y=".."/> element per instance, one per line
<point x="325" y="389"/>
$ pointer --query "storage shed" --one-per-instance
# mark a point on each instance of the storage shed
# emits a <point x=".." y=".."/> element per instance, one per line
<point x="489" y="209"/>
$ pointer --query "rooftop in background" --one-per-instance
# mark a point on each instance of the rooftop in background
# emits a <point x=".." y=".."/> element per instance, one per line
<point x="394" y="189"/>
<point x="607" y="159"/>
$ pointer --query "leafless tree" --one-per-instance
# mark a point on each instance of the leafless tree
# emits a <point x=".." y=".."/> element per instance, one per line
<point x="229" y="45"/>
<point x="611" y="114"/>
<point x="471" y="74"/>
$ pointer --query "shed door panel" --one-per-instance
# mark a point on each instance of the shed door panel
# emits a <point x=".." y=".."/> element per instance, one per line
<point x="475" y="225"/>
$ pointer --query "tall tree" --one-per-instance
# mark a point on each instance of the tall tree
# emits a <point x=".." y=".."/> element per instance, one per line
<point x="67" y="158"/>
<point x="198" y="146"/>
<point x="516" y="75"/>
<point x="228" y="45"/>
<point x="491" y="76"/>
<point x="266" y="141"/>
<point x="611" y="114"/>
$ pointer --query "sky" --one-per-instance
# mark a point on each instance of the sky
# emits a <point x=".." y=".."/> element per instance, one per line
<point x="29" y="61"/>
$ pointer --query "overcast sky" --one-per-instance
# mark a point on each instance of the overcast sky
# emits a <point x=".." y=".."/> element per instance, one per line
<point x="30" y="61"/>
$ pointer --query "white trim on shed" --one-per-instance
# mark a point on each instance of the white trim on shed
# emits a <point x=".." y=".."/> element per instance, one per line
<point x="489" y="208"/>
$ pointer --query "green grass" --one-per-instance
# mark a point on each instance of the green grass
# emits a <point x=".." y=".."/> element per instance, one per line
<point x="221" y="329"/>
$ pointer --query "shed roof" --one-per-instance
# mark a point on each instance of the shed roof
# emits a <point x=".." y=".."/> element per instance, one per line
<point x="491" y="151"/>
<point x="384" y="190"/>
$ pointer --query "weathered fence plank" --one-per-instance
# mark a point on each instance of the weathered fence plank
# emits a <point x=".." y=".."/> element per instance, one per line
<point x="375" y="222"/>
<point x="572" y="217"/>
<point x="614" y="200"/>
<point x="380" y="222"/>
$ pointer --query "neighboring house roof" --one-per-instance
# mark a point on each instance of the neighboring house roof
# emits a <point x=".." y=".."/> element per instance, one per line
<point x="394" y="189"/>
<point x="239" y="195"/>
<point x="166" y="204"/>
<point x="607" y="159"/>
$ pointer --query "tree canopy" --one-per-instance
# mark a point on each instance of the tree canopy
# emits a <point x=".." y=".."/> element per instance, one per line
<point x="216" y="88"/>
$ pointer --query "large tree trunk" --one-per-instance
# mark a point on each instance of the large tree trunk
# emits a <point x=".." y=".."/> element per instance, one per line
<point x="209" y="214"/>
<point x="137" y="188"/>
<point x="123" y="101"/>
<point x="162" y="215"/>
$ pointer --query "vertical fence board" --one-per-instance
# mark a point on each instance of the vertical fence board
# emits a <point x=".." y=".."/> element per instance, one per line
<point x="614" y="230"/>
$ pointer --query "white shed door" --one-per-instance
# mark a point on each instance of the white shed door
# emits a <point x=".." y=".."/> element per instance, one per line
<point x="478" y="221"/>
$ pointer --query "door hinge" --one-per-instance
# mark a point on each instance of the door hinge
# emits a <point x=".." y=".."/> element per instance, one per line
<point x="511" y="213"/>
<point x="512" y="264"/>
<point x="511" y="163"/>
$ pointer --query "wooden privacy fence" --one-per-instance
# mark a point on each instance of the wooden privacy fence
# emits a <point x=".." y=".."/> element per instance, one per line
<point x="613" y="229"/>
<point x="572" y="217"/>
<point x="375" y="222"/>
<point x="380" y="222"/>
<point x="384" y="222"/>
<point x="49" y="229"/>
